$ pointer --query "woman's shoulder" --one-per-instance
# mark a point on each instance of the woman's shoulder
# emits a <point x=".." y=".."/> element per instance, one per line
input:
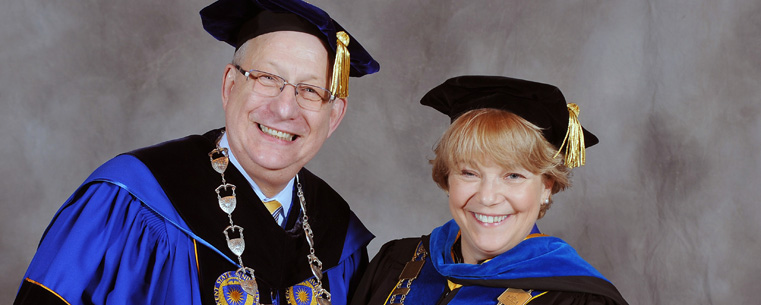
<point x="403" y="248"/>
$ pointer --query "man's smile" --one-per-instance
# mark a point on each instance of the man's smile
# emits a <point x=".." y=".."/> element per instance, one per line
<point x="277" y="133"/>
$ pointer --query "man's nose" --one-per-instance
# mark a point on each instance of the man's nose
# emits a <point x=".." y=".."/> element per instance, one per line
<point x="285" y="104"/>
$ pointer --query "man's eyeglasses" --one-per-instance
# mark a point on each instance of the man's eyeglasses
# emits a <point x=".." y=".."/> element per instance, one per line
<point x="309" y="97"/>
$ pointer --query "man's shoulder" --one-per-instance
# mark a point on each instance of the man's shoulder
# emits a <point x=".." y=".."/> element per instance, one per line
<point x="150" y="173"/>
<point x="182" y="163"/>
<point x="178" y="149"/>
<point x="315" y="186"/>
<point x="132" y="175"/>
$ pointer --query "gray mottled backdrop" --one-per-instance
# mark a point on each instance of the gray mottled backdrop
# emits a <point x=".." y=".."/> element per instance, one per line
<point x="666" y="207"/>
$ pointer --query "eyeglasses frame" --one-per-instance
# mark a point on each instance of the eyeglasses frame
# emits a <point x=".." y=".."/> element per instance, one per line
<point x="249" y="75"/>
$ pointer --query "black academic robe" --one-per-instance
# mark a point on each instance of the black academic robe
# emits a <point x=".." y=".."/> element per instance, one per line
<point x="147" y="228"/>
<point x="383" y="274"/>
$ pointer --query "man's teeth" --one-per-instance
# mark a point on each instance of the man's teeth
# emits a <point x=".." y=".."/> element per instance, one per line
<point x="277" y="133"/>
<point x="490" y="219"/>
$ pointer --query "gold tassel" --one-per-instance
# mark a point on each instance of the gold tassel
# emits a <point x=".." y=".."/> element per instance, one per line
<point x="575" y="155"/>
<point x="339" y="83"/>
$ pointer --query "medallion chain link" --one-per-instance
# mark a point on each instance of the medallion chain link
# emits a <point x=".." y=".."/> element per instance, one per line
<point x="219" y="161"/>
<point x="323" y="296"/>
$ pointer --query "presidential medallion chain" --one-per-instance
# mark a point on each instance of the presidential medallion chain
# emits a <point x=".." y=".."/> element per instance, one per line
<point x="227" y="202"/>
<point x="323" y="296"/>
<point x="219" y="161"/>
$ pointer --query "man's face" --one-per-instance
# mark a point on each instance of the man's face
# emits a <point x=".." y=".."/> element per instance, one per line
<point x="273" y="137"/>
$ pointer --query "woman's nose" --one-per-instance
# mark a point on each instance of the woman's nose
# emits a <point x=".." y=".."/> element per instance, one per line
<point x="489" y="193"/>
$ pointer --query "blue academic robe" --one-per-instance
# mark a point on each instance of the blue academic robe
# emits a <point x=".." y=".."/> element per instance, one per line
<point x="119" y="239"/>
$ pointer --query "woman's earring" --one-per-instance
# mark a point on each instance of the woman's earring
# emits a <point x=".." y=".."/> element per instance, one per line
<point x="543" y="207"/>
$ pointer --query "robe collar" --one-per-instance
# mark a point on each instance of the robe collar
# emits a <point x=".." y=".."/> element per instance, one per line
<point x="542" y="256"/>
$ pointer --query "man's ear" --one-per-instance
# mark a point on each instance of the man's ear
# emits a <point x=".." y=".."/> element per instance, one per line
<point x="228" y="82"/>
<point x="337" y="112"/>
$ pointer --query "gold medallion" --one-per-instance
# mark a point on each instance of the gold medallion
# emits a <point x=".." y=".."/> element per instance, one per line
<point x="513" y="296"/>
<point x="228" y="290"/>
<point x="302" y="293"/>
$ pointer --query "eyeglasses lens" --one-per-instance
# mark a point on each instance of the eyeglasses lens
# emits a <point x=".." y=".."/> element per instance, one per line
<point x="308" y="96"/>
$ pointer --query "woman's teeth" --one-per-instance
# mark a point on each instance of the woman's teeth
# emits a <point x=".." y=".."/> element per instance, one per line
<point x="277" y="133"/>
<point x="489" y="219"/>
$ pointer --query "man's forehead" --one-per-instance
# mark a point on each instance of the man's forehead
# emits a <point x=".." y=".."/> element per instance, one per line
<point x="295" y="56"/>
<point x="308" y="46"/>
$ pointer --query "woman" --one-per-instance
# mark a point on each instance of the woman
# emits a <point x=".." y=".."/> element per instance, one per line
<point x="509" y="149"/>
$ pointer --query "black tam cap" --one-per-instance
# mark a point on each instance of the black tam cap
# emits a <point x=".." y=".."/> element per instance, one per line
<point x="541" y="104"/>
<point x="237" y="21"/>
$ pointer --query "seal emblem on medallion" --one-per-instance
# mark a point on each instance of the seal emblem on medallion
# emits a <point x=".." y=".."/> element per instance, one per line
<point x="302" y="293"/>
<point x="228" y="291"/>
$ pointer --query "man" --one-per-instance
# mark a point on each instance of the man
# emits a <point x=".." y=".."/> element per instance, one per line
<point x="165" y="224"/>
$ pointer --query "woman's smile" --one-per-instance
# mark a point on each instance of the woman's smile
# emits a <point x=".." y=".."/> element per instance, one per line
<point x="488" y="219"/>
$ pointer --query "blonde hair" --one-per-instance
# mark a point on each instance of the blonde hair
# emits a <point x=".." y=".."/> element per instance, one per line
<point x="503" y="137"/>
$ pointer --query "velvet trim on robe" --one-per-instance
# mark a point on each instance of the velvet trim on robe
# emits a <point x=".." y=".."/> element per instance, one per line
<point x="120" y="240"/>
<point x="547" y="265"/>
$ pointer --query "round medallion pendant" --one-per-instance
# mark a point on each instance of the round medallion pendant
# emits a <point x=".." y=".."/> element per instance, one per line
<point x="228" y="291"/>
<point x="302" y="293"/>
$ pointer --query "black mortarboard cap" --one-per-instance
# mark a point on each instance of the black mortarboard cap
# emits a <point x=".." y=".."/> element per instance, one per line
<point x="237" y="21"/>
<point x="541" y="104"/>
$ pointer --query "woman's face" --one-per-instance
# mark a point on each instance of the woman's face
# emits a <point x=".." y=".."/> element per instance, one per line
<point x="495" y="207"/>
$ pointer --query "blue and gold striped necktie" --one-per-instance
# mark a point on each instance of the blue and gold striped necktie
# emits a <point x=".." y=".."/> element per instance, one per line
<point x="275" y="208"/>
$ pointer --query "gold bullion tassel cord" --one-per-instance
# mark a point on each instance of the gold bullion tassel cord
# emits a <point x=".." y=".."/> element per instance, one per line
<point x="574" y="139"/>
<point x="339" y="83"/>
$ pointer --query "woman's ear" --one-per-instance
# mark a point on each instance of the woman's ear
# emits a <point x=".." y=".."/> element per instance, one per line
<point x="548" y="184"/>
